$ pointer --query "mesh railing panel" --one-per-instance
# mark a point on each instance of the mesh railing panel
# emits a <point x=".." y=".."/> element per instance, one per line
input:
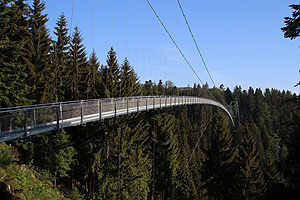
<point x="77" y="112"/>
<point x="12" y="120"/>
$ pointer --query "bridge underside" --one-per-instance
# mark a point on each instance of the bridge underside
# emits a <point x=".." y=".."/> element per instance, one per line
<point x="24" y="121"/>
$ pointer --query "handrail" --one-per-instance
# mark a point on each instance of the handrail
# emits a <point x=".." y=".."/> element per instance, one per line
<point x="22" y="121"/>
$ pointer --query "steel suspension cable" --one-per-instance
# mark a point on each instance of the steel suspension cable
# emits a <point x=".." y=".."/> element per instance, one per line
<point x="174" y="42"/>
<point x="196" y="44"/>
<point x="71" y="18"/>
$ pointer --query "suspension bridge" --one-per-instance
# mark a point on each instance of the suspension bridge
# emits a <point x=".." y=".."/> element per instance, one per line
<point x="25" y="121"/>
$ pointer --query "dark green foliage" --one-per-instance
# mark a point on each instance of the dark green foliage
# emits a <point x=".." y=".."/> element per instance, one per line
<point x="160" y="88"/>
<point x="60" y="155"/>
<point x="111" y="75"/>
<point x="38" y="58"/>
<point x="94" y="80"/>
<point x="5" y="155"/>
<point x="292" y="25"/>
<point x="292" y="161"/>
<point x="77" y="69"/>
<point x="13" y="29"/>
<point x="60" y="49"/>
<point x="252" y="182"/>
<point x="162" y="127"/>
<point x="292" y="28"/>
<point x="218" y="168"/>
<point x="129" y="81"/>
<point x="174" y="153"/>
<point x="23" y="182"/>
<point x="148" y="88"/>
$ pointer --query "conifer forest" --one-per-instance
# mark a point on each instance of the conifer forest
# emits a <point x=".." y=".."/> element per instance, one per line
<point x="183" y="152"/>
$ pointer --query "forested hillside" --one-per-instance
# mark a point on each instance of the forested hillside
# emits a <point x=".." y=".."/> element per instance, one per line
<point x="186" y="152"/>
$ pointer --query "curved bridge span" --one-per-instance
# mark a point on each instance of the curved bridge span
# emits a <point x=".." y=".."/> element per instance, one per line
<point x="24" y="121"/>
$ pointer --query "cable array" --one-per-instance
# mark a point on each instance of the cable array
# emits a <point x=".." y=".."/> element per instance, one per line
<point x="174" y="42"/>
<point x="196" y="44"/>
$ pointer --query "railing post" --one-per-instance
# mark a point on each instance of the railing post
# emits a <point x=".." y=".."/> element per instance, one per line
<point x="34" y="117"/>
<point x="165" y="101"/>
<point x="153" y="102"/>
<point x="81" y="112"/>
<point x="160" y="101"/>
<point x="25" y="123"/>
<point x="127" y="107"/>
<point x="57" y="117"/>
<point x="137" y="104"/>
<point x="123" y="103"/>
<point x="100" y="109"/>
<point x="175" y="100"/>
<point x="115" y="107"/>
<point x="61" y="114"/>
<point x="170" y="101"/>
<point x="146" y="103"/>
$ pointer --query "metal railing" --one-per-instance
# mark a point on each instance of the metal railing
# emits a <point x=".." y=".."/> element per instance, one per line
<point x="24" y="121"/>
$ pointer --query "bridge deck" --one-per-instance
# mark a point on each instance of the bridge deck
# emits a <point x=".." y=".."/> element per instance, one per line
<point x="24" y="121"/>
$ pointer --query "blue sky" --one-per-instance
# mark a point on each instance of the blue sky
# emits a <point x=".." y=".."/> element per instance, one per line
<point x="241" y="41"/>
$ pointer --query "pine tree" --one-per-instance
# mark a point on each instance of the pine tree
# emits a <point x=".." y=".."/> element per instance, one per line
<point x="60" y="50"/>
<point x="228" y="96"/>
<point x="135" y="160"/>
<point x="148" y="88"/>
<point x="41" y="76"/>
<point x="219" y="169"/>
<point x="160" y="88"/>
<point x="77" y="70"/>
<point x="161" y="188"/>
<point x="292" y="28"/>
<point x="252" y="181"/>
<point x="13" y="37"/>
<point x="94" y="79"/>
<point x="61" y="155"/>
<point x="112" y="79"/>
<point x="129" y="80"/>
<point x="104" y="92"/>
<point x="292" y="161"/>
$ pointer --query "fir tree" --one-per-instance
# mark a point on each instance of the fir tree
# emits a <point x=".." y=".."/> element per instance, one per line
<point x="292" y="161"/>
<point x="253" y="185"/>
<point x="112" y="77"/>
<point x="94" y="79"/>
<point x="135" y="160"/>
<point x="161" y="187"/>
<point x="129" y="80"/>
<point x="219" y="169"/>
<point x="160" y="88"/>
<point x="77" y="70"/>
<point x="13" y="32"/>
<point x="61" y="155"/>
<point x="292" y="28"/>
<point x="60" y="56"/>
<point x="41" y="75"/>
<point x="148" y="88"/>
<point x="103" y="81"/>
